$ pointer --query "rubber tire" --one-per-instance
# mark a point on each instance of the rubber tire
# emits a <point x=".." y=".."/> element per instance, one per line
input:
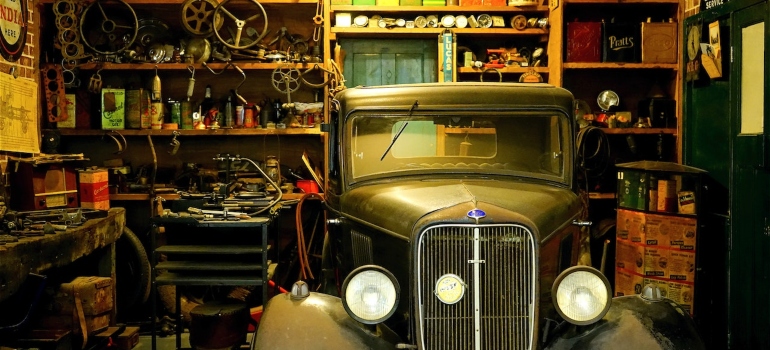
<point x="132" y="271"/>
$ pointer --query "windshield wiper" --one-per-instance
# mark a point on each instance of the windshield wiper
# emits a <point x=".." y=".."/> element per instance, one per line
<point x="398" y="134"/>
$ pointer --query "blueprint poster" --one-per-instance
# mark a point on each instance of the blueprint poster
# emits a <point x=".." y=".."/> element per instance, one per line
<point x="19" y="128"/>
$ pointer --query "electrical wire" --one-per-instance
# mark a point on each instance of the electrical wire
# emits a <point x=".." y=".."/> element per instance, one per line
<point x="302" y="248"/>
<point x="592" y="163"/>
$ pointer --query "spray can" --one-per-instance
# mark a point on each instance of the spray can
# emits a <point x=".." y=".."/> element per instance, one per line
<point x="239" y="115"/>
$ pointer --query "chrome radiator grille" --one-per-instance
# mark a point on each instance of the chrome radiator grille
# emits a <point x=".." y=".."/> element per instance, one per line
<point x="497" y="310"/>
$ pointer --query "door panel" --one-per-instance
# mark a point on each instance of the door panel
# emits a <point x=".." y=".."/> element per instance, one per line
<point x="750" y="202"/>
<point x="383" y="62"/>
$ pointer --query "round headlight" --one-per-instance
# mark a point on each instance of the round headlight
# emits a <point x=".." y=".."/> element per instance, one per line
<point x="582" y="295"/>
<point x="370" y="294"/>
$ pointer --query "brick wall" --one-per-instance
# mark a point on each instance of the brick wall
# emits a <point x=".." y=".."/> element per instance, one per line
<point x="27" y="65"/>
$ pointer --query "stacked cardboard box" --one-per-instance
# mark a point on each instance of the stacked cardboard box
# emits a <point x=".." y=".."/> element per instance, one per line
<point x="658" y="249"/>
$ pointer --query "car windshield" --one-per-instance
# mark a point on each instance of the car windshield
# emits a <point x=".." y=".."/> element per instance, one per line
<point x="390" y="144"/>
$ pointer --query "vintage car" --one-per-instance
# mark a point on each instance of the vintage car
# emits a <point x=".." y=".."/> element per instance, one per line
<point x="454" y="223"/>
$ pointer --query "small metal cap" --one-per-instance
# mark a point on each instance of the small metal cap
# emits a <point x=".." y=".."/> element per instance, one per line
<point x="651" y="292"/>
<point x="299" y="290"/>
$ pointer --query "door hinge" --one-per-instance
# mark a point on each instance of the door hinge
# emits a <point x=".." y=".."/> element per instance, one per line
<point x="731" y="55"/>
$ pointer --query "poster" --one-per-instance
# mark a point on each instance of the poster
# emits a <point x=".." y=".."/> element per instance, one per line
<point x="19" y="128"/>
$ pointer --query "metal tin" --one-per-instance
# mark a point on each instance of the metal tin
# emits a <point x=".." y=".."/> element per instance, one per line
<point x="156" y="115"/>
<point x="461" y="21"/>
<point x="185" y="110"/>
<point x="176" y="112"/>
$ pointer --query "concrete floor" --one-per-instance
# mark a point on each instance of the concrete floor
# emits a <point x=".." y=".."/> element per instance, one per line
<point x="168" y="342"/>
<point x="163" y="343"/>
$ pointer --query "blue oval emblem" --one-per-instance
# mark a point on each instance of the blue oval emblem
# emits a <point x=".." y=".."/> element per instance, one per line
<point x="476" y="214"/>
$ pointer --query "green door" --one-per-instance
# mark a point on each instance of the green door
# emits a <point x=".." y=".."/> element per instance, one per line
<point x="750" y="190"/>
<point x="384" y="62"/>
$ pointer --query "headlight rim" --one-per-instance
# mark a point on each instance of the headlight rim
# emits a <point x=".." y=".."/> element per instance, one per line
<point x="569" y="271"/>
<point x="358" y="270"/>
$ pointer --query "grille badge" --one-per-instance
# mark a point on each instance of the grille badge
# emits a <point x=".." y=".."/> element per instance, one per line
<point x="450" y="288"/>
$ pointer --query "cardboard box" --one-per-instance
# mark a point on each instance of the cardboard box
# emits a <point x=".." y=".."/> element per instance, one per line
<point x="671" y="231"/>
<point x="656" y="261"/>
<point x="113" y="109"/>
<point x="342" y="2"/>
<point x="659" y="43"/>
<point x="627" y="283"/>
<point x="631" y="226"/>
<point x="683" y="294"/>
<point x="681" y="265"/>
<point x="667" y="195"/>
<point x="387" y="2"/>
<point x="365" y="2"/>
<point x="410" y="2"/>
<point x="630" y="257"/>
<point x="471" y="2"/>
<point x="94" y="189"/>
<point x="584" y="41"/>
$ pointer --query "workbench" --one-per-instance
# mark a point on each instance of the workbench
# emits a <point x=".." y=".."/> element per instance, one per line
<point x="39" y="253"/>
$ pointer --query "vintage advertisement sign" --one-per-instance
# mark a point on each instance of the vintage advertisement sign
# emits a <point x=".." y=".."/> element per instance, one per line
<point x="19" y="128"/>
<point x="13" y="24"/>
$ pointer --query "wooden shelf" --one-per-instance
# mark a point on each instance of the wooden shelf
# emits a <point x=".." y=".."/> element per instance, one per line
<point x="217" y="132"/>
<point x="412" y="32"/>
<point x="431" y="9"/>
<point x="598" y="195"/>
<point x="639" y="131"/>
<point x="472" y="131"/>
<point x="505" y="70"/>
<point x="141" y="196"/>
<point x="217" y="66"/>
<point x="624" y="2"/>
<point x="180" y="2"/>
<point x="619" y="65"/>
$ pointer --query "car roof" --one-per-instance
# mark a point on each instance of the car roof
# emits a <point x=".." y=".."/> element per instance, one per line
<point x="457" y="95"/>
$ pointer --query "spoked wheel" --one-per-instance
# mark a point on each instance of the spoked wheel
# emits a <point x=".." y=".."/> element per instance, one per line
<point x="231" y="34"/>
<point x="108" y="26"/>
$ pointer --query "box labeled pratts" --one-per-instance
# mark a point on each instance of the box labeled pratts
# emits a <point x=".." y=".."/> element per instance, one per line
<point x="94" y="189"/>
<point x="113" y="109"/>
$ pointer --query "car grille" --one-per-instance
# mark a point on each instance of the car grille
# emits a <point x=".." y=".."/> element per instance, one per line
<point x="497" y="310"/>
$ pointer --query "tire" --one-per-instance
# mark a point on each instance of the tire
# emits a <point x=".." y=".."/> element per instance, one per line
<point x="132" y="270"/>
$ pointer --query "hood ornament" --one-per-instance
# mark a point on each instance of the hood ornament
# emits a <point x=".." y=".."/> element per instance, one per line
<point x="476" y="214"/>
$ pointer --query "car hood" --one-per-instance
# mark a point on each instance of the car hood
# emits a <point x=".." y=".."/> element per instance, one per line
<point x="397" y="206"/>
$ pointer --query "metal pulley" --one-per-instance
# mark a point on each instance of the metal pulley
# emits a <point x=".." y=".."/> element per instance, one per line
<point x="198" y="17"/>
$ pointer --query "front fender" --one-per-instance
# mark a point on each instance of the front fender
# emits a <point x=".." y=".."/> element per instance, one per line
<point x="634" y="323"/>
<point x="318" y="321"/>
